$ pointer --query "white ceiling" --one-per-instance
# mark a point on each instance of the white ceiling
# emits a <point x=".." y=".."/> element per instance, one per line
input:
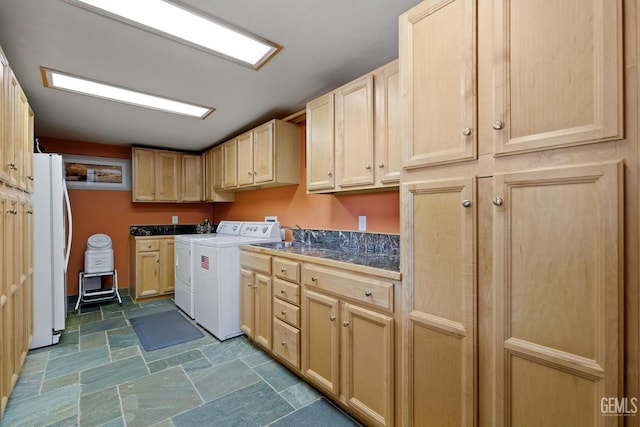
<point x="325" y="44"/>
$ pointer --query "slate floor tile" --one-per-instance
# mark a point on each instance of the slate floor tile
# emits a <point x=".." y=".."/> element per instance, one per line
<point x="77" y="362"/>
<point x="111" y="374"/>
<point x="222" y="379"/>
<point x="276" y="375"/>
<point x="300" y="395"/>
<point x="102" y="325"/>
<point x="100" y="407"/>
<point x="158" y="396"/>
<point x="229" y="350"/>
<point x="255" y="405"/>
<point x="318" y="414"/>
<point x="44" y="409"/>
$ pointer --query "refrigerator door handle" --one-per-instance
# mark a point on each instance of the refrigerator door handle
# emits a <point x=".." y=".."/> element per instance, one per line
<point x="67" y="204"/>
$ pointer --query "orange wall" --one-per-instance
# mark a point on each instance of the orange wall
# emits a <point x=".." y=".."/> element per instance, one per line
<point x="111" y="212"/>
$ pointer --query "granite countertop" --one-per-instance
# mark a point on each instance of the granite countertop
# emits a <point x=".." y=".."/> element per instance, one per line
<point x="371" y="253"/>
<point x="165" y="229"/>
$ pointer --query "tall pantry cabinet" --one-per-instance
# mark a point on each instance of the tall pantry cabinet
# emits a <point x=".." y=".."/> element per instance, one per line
<point x="16" y="229"/>
<point x="519" y="212"/>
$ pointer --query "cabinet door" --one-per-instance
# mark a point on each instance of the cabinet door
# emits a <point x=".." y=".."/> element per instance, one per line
<point x="167" y="176"/>
<point x="148" y="274"/>
<point x="4" y="117"/>
<point x="320" y="341"/>
<point x="167" y="266"/>
<point x="558" y="82"/>
<point x="28" y="164"/>
<point x="388" y="142"/>
<point x="191" y="178"/>
<point x="245" y="159"/>
<point x="368" y="358"/>
<point x="14" y="131"/>
<point x="558" y="244"/>
<point x="264" y="154"/>
<point x="247" y="312"/>
<point x="22" y="155"/>
<point x="320" y="144"/>
<point x="207" y="161"/>
<point x="354" y="132"/>
<point x="230" y="164"/>
<point x="218" y="168"/>
<point x="144" y="175"/>
<point x="438" y="72"/>
<point x="263" y="312"/>
<point x="441" y="304"/>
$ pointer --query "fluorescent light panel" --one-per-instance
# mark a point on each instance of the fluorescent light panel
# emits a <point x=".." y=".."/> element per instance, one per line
<point x="194" y="28"/>
<point x="67" y="82"/>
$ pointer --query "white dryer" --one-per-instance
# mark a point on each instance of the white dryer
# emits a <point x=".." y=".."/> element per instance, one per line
<point x="217" y="277"/>
<point x="184" y="266"/>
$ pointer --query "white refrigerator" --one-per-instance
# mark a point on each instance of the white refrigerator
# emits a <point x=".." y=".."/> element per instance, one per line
<point x="52" y="243"/>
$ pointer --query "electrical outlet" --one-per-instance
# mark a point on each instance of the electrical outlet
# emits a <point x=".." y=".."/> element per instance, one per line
<point x="362" y="223"/>
<point x="174" y="219"/>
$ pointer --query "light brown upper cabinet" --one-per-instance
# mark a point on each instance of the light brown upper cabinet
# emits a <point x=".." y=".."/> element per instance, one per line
<point x="230" y="164"/>
<point x="320" y="144"/>
<point x="5" y="74"/>
<point x="191" y="183"/>
<point x="267" y="156"/>
<point x="438" y="51"/>
<point x="213" y="176"/>
<point x="353" y="135"/>
<point x="573" y="56"/>
<point x="155" y="175"/>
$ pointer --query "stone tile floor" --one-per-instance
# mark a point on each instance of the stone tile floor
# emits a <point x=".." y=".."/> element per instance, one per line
<point x="99" y="375"/>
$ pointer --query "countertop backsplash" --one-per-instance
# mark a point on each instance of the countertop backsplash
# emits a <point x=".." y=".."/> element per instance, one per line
<point x="351" y="240"/>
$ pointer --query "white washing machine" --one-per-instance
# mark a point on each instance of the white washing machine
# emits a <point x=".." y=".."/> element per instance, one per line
<point x="184" y="267"/>
<point x="217" y="277"/>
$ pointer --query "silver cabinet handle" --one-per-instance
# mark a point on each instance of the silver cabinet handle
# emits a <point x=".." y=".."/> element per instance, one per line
<point x="249" y="285"/>
<point x="255" y="286"/>
<point x="380" y="165"/>
<point x="30" y="178"/>
<point x="249" y="173"/>
<point x="284" y="313"/>
<point x="314" y="279"/>
<point x="282" y="291"/>
<point x="466" y="131"/>
<point x="283" y="270"/>
<point x="12" y="212"/>
<point x="332" y="317"/>
<point x="283" y="343"/>
<point x="497" y="201"/>
<point x="367" y="167"/>
<point x="466" y="203"/>
<point x="367" y="293"/>
<point x="30" y="212"/>
<point x="345" y="323"/>
<point x="497" y="125"/>
<point x="329" y="173"/>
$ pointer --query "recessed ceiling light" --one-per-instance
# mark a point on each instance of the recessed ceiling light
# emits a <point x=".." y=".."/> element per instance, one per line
<point x="194" y="28"/>
<point x="70" y="83"/>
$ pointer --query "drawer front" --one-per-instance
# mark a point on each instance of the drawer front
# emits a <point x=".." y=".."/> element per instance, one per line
<point x="147" y="245"/>
<point x="286" y="269"/>
<point x="286" y="312"/>
<point x="375" y="292"/>
<point x="256" y="262"/>
<point x="286" y="291"/>
<point x="286" y="343"/>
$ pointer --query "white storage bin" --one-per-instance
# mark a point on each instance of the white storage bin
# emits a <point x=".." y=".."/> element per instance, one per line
<point x="98" y="261"/>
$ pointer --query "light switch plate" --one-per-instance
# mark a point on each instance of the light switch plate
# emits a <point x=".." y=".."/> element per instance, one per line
<point x="174" y="219"/>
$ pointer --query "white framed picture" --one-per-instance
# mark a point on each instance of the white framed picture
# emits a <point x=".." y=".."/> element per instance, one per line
<point x="97" y="173"/>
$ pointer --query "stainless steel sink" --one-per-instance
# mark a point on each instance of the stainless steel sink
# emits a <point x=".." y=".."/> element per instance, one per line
<point x="284" y="245"/>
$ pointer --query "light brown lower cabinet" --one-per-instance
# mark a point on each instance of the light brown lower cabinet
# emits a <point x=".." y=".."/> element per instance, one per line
<point x="255" y="294"/>
<point x="152" y="266"/>
<point x="514" y="314"/>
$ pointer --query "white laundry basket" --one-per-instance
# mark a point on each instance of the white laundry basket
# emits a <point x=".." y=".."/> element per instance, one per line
<point x="98" y="258"/>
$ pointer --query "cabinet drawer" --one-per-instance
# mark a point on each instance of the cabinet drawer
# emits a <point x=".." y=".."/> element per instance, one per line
<point x="286" y="312"/>
<point x="286" y="269"/>
<point x="286" y="343"/>
<point x="256" y="262"/>
<point x="286" y="291"/>
<point x="147" y="245"/>
<point x="375" y="292"/>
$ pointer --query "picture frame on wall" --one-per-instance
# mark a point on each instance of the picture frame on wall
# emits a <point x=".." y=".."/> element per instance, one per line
<point x="97" y="173"/>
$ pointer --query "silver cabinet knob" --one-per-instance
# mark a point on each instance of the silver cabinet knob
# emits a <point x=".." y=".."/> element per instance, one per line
<point x="466" y="131"/>
<point x="367" y="293"/>
<point x="249" y="285"/>
<point x="283" y="343"/>
<point x="497" y="125"/>
<point x="30" y="178"/>
<point x="345" y="323"/>
<point x="380" y="165"/>
<point x="329" y="173"/>
<point x="283" y="270"/>
<point x="284" y="313"/>
<point x="367" y="167"/>
<point x="466" y="203"/>
<point x="332" y="317"/>
<point x="249" y="173"/>
<point x="282" y="291"/>
<point x="497" y="201"/>
<point x="314" y="279"/>
<point x="255" y="286"/>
